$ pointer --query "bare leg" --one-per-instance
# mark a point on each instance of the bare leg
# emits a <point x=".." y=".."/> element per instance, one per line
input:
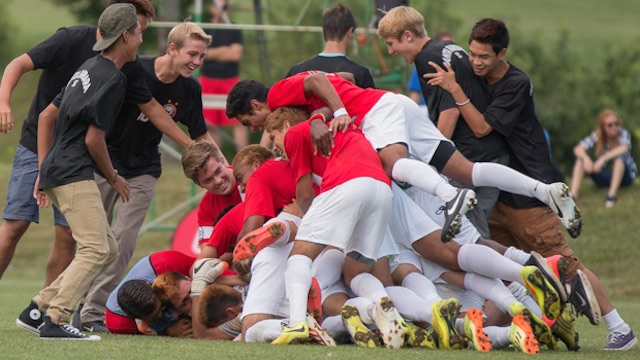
<point x="576" y="177"/>
<point x="616" y="177"/>
<point x="11" y="232"/>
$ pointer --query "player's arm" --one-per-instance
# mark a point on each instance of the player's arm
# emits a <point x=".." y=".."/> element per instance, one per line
<point x="304" y="192"/>
<point x="447" y="121"/>
<point x="319" y="85"/>
<point x="251" y="223"/>
<point x="95" y="141"/>
<point x="163" y="122"/>
<point x="46" y="128"/>
<point x="10" y="78"/>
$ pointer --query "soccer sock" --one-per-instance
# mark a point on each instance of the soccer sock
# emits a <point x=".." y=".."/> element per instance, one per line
<point x="264" y="332"/>
<point x="367" y="285"/>
<point x="485" y="261"/>
<point x="334" y="326"/>
<point x="459" y="325"/>
<point x="284" y="237"/>
<point x="507" y="179"/>
<point x="365" y="307"/>
<point x="522" y="295"/>
<point x="327" y="267"/>
<point x="491" y="289"/>
<point x="500" y="336"/>
<point x="422" y="286"/>
<point x="422" y="175"/>
<point x="615" y="322"/>
<point x="409" y="305"/>
<point x="517" y="255"/>
<point x="298" y="281"/>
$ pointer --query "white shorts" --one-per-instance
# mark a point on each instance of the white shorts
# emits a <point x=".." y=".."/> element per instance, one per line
<point x="408" y="222"/>
<point x="267" y="291"/>
<point x="352" y="216"/>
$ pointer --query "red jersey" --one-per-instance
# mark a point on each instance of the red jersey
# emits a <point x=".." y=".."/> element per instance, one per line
<point x="351" y="157"/>
<point x="170" y="260"/>
<point x="299" y="149"/>
<point x="269" y="189"/>
<point x="227" y="230"/>
<point x="211" y="205"/>
<point x="290" y="92"/>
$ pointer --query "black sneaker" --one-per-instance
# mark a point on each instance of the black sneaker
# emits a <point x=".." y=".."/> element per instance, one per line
<point x="583" y="299"/>
<point x="30" y="318"/>
<point x="51" y="331"/>
<point x="454" y="210"/>
<point x="541" y="263"/>
<point x="97" y="326"/>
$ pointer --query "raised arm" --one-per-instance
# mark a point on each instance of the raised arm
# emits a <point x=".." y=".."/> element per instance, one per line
<point x="10" y="78"/>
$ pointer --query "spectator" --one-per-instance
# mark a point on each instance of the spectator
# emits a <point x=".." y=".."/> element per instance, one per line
<point x="612" y="165"/>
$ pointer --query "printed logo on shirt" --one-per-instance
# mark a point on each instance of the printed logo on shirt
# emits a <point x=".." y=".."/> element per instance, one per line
<point x="450" y="50"/>
<point x="81" y="76"/>
<point x="169" y="107"/>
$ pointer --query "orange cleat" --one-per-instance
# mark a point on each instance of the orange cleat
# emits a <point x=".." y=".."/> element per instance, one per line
<point x="257" y="240"/>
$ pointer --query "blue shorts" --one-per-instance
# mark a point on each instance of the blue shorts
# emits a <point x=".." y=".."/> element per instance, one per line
<point x="20" y="204"/>
<point x="603" y="178"/>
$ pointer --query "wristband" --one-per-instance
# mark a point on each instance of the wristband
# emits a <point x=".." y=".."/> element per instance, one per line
<point x="319" y="116"/>
<point x="111" y="182"/>
<point x="340" y="112"/>
<point x="464" y="102"/>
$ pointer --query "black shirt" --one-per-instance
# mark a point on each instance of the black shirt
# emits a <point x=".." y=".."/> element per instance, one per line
<point x="222" y="70"/>
<point x="133" y="141"/>
<point x="93" y="96"/>
<point x="438" y="100"/>
<point x="335" y="63"/>
<point x="511" y="112"/>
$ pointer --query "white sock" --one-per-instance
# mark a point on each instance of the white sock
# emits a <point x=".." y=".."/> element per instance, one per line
<point x="327" y="267"/>
<point x="615" y="322"/>
<point x="490" y="289"/>
<point x="422" y="175"/>
<point x="517" y="255"/>
<point x="365" y="307"/>
<point x="298" y="281"/>
<point x="409" y="304"/>
<point x="460" y="325"/>
<point x="367" y="285"/>
<point x="507" y="179"/>
<point x="334" y="326"/>
<point x="264" y="332"/>
<point x="483" y="260"/>
<point x="422" y="286"/>
<point x="284" y="238"/>
<point x="500" y="336"/>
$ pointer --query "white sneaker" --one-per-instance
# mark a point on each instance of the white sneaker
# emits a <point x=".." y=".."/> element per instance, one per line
<point x="388" y="321"/>
<point x="454" y="210"/>
<point x="561" y="202"/>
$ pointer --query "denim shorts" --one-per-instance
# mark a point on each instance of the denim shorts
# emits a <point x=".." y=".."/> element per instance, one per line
<point x="20" y="204"/>
<point x="603" y="178"/>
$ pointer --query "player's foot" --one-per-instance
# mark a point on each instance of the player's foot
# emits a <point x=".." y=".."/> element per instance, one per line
<point x="522" y="336"/>
<point x="388" y="321"/>
<point x="620" y="341"/>
<point x="361" y="335"/>
<point x="454" y="210"/>
<point x="257" y="240"/>
<point x="292" y="335"/>
<point x="30" y="318"/>
<point x="548" y="272"/>
<point x="318" y="334"/>
<point x="474" y="330"/>
<point x="51" y="331"/>
<point x="415" y="336"/>
<point x="565" y="329"/>
<point x="583" y="299"/>
<point x="539" y="328"/>
<point x="445" y="313"/>
<point x="561" y="202"/>
<point x="542" y="291"/>
<point x="314" y="300"/>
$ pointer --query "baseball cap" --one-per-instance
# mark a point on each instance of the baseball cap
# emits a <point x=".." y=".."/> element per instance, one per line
<point x="113" y="21"/>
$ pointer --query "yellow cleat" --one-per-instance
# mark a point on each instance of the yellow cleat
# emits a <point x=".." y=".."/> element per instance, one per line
<point x="415" y="336"/>
<point x="565" y="329"/>
<point x="538" y="327"/>
<point x="293" y="335"/>
<point x="522" y="336"/>
<point x="445" y="313"/>
<point x="361" y="335"/>
<point x="474" y="330"/>
<point x="542" y="291"/>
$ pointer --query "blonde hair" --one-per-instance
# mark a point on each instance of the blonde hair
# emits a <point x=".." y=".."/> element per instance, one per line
<point x="185" y="32"/>
<point x="400" y="19"/>
<point x="293" y="115"/>
<point x="252" y="153"/>
<point x="196" y="156"/>
<point x="603" y="141"/>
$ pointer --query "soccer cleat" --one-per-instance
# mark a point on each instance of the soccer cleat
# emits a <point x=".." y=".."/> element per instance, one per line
<point x="314" y="300"/>
<point x="522" y="336"/>
<point x="562" y="203"/>
<point x="617" y="341"/>
<point x="548" y="272"/>
<point x="445" y="313"/>
<point x="583" y="299"/>
<point x="318" y="334"/>
<point x="539" y="328"/>
<point x="257" y="240"/>
<point x="31" y="318"/>
<point x="464" y="201"/>
<point x="360" y="333"/>
<point x="388" y="322"/>
<point x="51" y="331"/>
<point x="542" y="291"/>
<point x="565" y="329"/>
<point x="560" y="265"/>
<point x="474" y="330"/>
<point x="415" y="336"/>
<point x="293" y="335"/>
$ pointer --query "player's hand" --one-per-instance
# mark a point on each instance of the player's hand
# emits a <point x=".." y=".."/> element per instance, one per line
<point x="42" y="199"/>
<point x="182" y="328"/>
<point x="293" y="209"/>
<point x="205" y="271"/>
<point x="446" y="79"/>
<point x="321" y="138"/>
<point x="121" y="186"/>
<point x="6" y="118"/>
<point x="599" y="165"/>
<point x="341" y="123"/>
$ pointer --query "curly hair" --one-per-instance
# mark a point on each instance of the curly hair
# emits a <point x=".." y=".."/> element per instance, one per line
<point x="241" y="94"/>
